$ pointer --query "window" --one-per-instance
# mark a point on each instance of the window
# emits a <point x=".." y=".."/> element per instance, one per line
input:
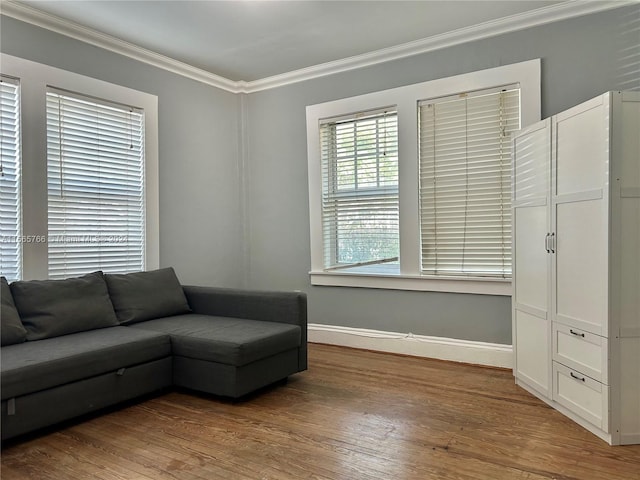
<point x="441" y="221"/>
<point x="360" y="190"/>
<point x="465" y="182"/>
<point x="86" y="198"/>
<point x="10" y="199"/>
<point x="95" y="178"/>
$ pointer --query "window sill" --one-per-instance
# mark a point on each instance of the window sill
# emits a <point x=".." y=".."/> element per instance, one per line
<point x="480" y="286"/>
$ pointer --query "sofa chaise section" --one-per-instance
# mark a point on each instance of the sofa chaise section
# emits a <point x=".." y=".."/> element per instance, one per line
<point x="225" y="342"/>
<point x="267" y="306"/>
<point x="228" y="356"/>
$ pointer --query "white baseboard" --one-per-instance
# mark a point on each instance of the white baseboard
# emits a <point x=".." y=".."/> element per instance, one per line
<point x="480" y="353"/>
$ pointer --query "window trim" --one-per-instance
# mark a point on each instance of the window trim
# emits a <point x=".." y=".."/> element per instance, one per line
<point x="34" y="80"/>
<point x="527" y="74"/>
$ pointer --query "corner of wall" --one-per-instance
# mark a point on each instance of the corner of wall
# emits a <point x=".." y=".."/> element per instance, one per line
<point x="243" y="172"/>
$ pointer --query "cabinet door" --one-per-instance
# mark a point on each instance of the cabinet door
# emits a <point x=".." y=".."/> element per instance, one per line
<point x="531" y="260"/>
<point x="579" y="200"/>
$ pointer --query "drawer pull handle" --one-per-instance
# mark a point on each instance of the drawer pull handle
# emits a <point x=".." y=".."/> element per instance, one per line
<point x="577" y="334"/>
<point x="577" y="377"/>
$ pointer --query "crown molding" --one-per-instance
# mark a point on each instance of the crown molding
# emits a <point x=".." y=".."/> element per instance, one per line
<point x="540" y="16"/>
<point x="74" y="30"/>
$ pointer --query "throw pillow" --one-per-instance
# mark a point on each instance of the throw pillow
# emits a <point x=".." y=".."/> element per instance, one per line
<point x="146" y="295"/>
<point x="12" y="330"/>
<point x="50" y="308"/>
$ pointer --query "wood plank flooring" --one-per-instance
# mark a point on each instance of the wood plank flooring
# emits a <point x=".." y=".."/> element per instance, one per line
<point x="353" y="415"/>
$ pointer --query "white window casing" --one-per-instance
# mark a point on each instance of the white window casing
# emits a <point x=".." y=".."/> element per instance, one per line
<point x="10" y="195"/>
<point x="409" y="273"/>
<point x="36" y="80"/>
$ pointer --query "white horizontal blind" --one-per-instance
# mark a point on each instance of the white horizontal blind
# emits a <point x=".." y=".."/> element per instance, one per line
<point x="95" y="178"/>
<point x="360" y="189"/>
<point x="10" y="200"/>
<point x="465" y="182"/>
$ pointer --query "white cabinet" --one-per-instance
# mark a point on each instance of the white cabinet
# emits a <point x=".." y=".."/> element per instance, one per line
<point x="576" y="253"/>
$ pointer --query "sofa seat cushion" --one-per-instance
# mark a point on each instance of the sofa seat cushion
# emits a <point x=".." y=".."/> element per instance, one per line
<point x="231" y="341"/>
<point x="33" y="366"/>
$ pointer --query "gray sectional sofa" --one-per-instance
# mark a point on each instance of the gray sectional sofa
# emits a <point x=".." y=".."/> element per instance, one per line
<point x="70" y="347"/>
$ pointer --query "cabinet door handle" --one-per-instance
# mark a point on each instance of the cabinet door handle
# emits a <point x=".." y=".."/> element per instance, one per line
<point x="546" y="243"/>
<point x="577" y="377"/>
<point x="577" y="334"/>
<point x="553" y="242"/>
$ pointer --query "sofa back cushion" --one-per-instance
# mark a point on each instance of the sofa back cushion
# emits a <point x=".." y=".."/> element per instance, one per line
<point x="11" y="328"/>
<point x="50" y="308"/>
<point x="144" y="296"/>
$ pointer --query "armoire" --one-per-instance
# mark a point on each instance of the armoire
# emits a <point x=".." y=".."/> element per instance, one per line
<point x="576" y="264"/>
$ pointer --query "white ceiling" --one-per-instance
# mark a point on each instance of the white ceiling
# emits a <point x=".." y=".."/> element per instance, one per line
<point x="250" y="40"/>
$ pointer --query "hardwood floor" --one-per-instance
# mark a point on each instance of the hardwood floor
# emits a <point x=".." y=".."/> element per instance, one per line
<point x="353" y="415"/>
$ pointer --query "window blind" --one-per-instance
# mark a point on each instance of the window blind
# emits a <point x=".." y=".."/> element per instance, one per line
<point x="10" y="200"/>
<point x="95" y="180"/>
<point x="359" y="156"/>
<point x="465" y="182"/>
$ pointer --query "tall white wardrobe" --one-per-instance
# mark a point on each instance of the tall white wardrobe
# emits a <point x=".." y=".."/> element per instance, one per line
<point x="576" y="252"/>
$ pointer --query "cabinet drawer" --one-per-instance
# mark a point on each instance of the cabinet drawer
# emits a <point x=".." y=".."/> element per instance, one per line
<point x="581" y="350"/>
<point x="582" y="395"/>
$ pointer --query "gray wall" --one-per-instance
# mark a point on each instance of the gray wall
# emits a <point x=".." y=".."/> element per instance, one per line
<point x="200" y="196"/>
<point x="234" y="211"/>
<point x="581" y="58"/>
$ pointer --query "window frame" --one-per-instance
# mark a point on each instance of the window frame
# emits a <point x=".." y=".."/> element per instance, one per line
<point x="34" y="80"/>
<point x="409" y="277"/>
